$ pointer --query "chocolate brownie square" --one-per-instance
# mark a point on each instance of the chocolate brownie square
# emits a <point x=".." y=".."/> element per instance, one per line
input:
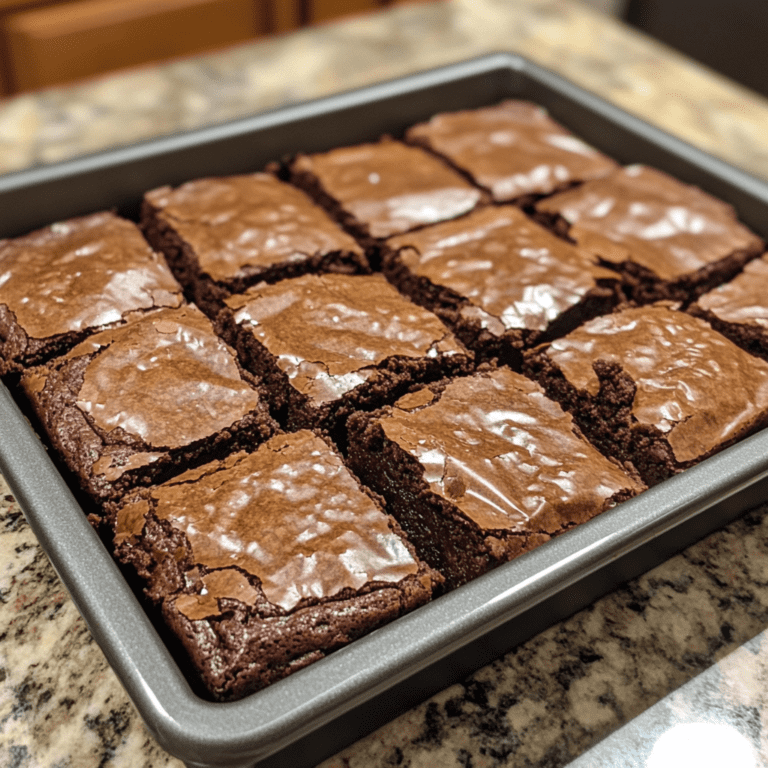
<point x="481" y="469"/>
<point x="515" y="150"/>
<point x="383" y="189"/>
<point x="222" y="235"/>
<point x="267" y="561"/>
<point x="739" y="309"/>
<point x="74" y="278"/>
<point x="655" y="386"/>
<point x="134" y="405"/>
<point x="671" y="241"/>
<point x="499" y="280"/>
<point x="326" y="345"/>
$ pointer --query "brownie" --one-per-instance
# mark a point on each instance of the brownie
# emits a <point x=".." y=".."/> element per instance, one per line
<point x="74" y="278"/>
<point x="739" y="309"/>
<point x="326" y="345"/>
<point x="267" y="561"/>
<point x="513" y="149"/>
<point x="655" y="386"/>
<point x="134" y="405"/>
<point x="385" y="188"/>
<point x="671" y="241"/>
<point x="482" y="469"/>
<point x="222" y="235"/>
<point x="499" y="280"/>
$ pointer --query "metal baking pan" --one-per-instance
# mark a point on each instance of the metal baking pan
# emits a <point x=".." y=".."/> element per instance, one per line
<point x="318" y="710"/>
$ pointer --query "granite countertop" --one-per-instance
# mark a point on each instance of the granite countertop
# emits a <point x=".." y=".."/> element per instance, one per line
<point x="684" y="645"/>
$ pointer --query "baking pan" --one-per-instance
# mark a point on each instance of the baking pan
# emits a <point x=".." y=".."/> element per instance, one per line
<point x="315" y="712"/>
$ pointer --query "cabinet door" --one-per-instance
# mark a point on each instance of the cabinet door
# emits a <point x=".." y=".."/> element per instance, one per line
<point x="51" y="45"/>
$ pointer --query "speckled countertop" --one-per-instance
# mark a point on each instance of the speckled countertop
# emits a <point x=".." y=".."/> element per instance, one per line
<point x="684" y="645"/>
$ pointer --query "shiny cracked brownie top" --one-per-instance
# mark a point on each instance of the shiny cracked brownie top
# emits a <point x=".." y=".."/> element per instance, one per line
<point x="744" y="299"/>
<point x="694" y="385"/>
<point x="389" y="186"/>
<point x="329" y="332"/>
<point x="515" y="273"/>
<point x="289" y="514"/>
<point x="246" y="221"/>
<point x="642" y="215"/>
<point x="508" y="457"/>
<point x="82" y="273"/>
<point x="513" y="149"/>
<point x="159" y="383"/>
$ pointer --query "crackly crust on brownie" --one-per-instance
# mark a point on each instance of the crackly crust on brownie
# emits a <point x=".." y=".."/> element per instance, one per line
<point x="500" y="281"/>
<point x="514" y="149"/>
<point x="654" y="386"/>
<point x="134" y="405"/>
<point x="221" y="235"/>
<point x="267" y="561"/>
<point x="481" y="469"/>
<point x="326" y="345"/>
<point x="670" y="240"/>
<point x="384" y="188"/>
<point x="739" y="308"/>
<point x="72" y="279"/>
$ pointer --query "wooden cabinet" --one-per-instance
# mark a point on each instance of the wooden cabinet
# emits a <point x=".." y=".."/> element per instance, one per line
<point x="59" y="42"/>
<point x="289" y="14"/>
<point x="51" y="42"/>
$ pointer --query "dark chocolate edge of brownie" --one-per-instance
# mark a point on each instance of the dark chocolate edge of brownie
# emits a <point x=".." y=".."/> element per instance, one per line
<point x="244" y="434"/>
<point x="20" y="352"/>
<point x="507" y="348"/>
<point x="181" y="259"/>
<point x="603" y="299"/>
<point x="394" y="377"/>
<point x="92" y="508"/>
<point x="279" y="395"/>
<point x="607" y="422"/>
<point x="338" y="623"/>
<point x="606" y="419"/>
<point x="311" y="185"/>
<point x="752" y="338"/>
<point x="430" y="522"/>
<point x="339" y="262"/>
<point x="644" y="286"/>
<point x="17" y="349"/>
<point x="447" y="305"/>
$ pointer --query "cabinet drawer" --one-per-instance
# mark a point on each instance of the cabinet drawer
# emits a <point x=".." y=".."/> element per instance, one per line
<point x="50" y="45"/>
